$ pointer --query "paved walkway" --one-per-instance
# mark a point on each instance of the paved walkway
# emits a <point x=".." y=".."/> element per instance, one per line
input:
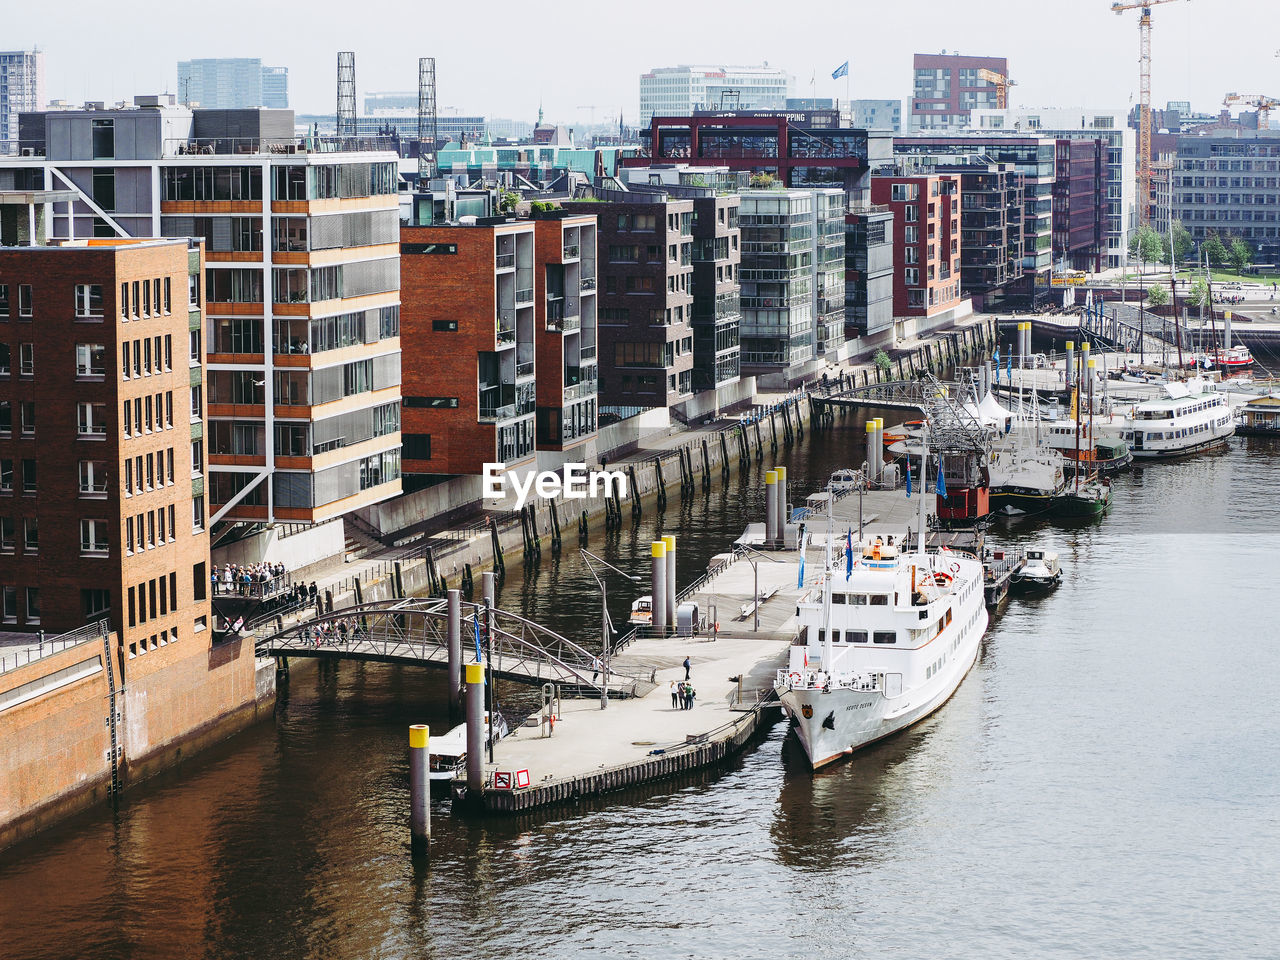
<point x="587" y="738"/>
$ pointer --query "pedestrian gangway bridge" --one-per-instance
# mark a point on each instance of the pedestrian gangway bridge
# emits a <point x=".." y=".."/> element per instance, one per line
<point x="416" y="632"/>
<point x="901" y="394"/>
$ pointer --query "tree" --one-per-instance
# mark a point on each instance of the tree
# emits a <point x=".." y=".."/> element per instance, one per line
<point x="762" y="181"/>
<point x="1182" y="243"/>
<point x="882" y="362"/>
<point x="507" y="201"/>
<point x="1145" y="246"/>
<point x="1198" y="296"/>
<point x="1240" y="254"/>
<point x="1158" y="296"/>
<point x="1214" y="249"/>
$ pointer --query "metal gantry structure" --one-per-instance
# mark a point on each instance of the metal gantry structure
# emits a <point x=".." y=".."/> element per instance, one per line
<point x="428" y="119"/>
<point x="1260" y="102"/>
<point x="953" y="426"/>
<point x="346" y="115"/>
<point x="1144" y="109"/>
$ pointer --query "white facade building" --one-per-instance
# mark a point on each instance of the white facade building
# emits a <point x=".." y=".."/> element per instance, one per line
<point x="678" y="91"/>
<point x="1082" y="123"/>
<point x="21" y="89"/>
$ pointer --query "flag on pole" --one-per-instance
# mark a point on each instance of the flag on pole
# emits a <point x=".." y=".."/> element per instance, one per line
<point x="848" y="555"/>
<point x="1008" y="367"/>
<point x="799" y="585"/>
<point x="908" y="476"/>
<point x="941" y="486"/>
<point x="841" y="71"/>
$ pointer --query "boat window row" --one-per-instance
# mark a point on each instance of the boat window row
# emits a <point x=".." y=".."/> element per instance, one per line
<point x="861" y="599"/>
<point x="1181" y="411"/>
<point x="858" y="636"/>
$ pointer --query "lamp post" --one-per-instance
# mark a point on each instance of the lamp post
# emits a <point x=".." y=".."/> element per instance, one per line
<point x="606" y="626"/>
<point x="755" y="581"/>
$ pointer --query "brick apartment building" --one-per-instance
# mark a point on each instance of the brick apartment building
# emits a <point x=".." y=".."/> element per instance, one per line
<point x="469" y="323"/>
<point x="646" y="298"/>
<point x="926" y="232"/>
<point x="102" y="507"/>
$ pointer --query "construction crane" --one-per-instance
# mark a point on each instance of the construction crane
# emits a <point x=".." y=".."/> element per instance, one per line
<point x="1144" y="89"/>
<point x="1264" y="105"/>
<point x="1001" y="83"/>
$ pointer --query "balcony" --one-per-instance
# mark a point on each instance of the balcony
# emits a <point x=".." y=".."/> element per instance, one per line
<point x="587" y="353"/>
<point x="524" y="296"/>
<point x="570" y="252"/>
<point x="506" y="333"/>
<point x="505" y="261"/>
<point x="493" y="414"/>
<point x="588" y="283"/>
<point x="524" y="368"/>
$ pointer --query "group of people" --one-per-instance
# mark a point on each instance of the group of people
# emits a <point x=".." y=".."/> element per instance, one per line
<point x="246" y="579"/>
<point x="1230" y="298"/>
<point x="330" y="633"/>
<point x="682" y="695"/>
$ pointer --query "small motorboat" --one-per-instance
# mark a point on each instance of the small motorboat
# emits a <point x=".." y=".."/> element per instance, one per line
<point x="448" y="752"/>
<point x="844" y="481"/>
<point x="642" y="611"/>
<point x="1041" y="570"/>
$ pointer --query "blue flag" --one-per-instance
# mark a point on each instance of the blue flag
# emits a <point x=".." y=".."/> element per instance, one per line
<point x="479" y="655"/>
<point x="799" y="585"/>
<point x="941" y="487"/>
<point x="908" y="477"/>
<point x="848" y="555"/>
<point x="841" y="71"/>
<point x="1008" y="367"/>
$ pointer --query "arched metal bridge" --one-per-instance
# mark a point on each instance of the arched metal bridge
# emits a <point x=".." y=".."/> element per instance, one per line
<point x="415" y="631"/>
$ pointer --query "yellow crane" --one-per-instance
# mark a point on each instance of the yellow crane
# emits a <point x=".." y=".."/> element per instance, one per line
<point x="1001" y="83"/>
<point x="1144" y="126"/>
<point x="1264" y="105"/>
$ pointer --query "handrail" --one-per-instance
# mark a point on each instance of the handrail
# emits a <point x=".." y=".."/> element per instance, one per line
<point x="51" y="645"/>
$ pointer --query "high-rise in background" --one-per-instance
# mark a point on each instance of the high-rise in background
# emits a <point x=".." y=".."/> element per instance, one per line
<point x="21" y="88"/>
<point x="232" y="83"/>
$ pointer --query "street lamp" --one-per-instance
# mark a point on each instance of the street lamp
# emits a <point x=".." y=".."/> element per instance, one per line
<point x="606" y="625"/>
<point x="755" y="582"/>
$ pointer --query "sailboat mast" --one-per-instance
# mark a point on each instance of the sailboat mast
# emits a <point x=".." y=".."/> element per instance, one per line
<point x="924" y="477"/>
<point x="1079" y="398"/>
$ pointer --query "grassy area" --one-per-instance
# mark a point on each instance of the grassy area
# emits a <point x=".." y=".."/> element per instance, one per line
<point x="1219" y="275"/>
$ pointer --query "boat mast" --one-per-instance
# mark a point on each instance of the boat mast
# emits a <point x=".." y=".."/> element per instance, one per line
<point x="1078" y="398"/>
<point x="924" y="477"/>
<point x="1213" y="319"/>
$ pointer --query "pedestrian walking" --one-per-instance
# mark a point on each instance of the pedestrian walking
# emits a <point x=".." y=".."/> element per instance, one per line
<point x="595" y="668"/>
<point x="675" y="695"/>
<point x="687" y="665"/>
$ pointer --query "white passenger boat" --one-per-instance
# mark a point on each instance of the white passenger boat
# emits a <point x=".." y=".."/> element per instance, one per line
<point x="642" y="611"/>
<point x="885" y="638"/>
<point x="1191" y="418"/>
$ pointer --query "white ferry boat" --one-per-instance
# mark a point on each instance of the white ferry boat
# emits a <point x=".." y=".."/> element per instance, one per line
<point x="885" y="638"/>
<point x="1193" y="417"/>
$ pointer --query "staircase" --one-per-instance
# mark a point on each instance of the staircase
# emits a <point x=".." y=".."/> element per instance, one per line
<point x="359" y="542"/>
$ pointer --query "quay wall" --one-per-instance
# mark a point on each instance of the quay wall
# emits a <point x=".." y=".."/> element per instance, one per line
<point x="56" y="724"/>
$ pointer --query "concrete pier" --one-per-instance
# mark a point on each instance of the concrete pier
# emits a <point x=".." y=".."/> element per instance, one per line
<point x="645" y="739"/>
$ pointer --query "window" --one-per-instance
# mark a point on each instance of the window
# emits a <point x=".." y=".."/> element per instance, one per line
<point x="9" y="605"/>
<point x="4" y="301"/>
<point x="197" y="513"/>
<point x="28" y="476"/>
<point x="93" y="478"/>
<point x="31" y="534"/>
<point x="160" y="517"/>
<point x="94" y="602"/>
<point x="33" y="604"/>
<point x="91" y="360"/>
<point x="104" y="139"/>
<point x="6" y="534"/>
<point x="24" y="299"/>
<point x="6" y="476"/>
<point x="884" y="636"/>
<point x="27" y="359"/>
<point x="104" y="188"/>
<point x="88" y="300"/>
<point x="197" y="402"/>
<point x="5" y="360"/>
<point x="92" y="419"/>
<point x="199" y="581"/>
<point x="28" y="418"/>
<point x="168" y="290"/>
<point x="6" y="418"/>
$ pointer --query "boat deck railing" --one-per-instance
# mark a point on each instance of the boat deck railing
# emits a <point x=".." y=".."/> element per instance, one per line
<point x="809" y="680"/>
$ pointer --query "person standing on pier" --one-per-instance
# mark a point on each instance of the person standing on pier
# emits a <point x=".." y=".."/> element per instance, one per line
<point x="675" y="696"/>
<point x="687" y="665"/>
<point x="688" y="696"/>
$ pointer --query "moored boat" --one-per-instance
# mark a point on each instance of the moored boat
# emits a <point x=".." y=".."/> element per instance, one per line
<point x="1041" y="569"/>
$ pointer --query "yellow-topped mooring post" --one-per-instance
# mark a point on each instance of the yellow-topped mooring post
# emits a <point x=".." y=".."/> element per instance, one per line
<point x="475" y="728"/>
<point x="658" y="586"/>
<point x="420" y="785"/>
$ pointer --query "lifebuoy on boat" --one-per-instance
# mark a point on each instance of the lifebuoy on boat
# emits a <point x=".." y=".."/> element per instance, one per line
<point x="793" y="679"/>
<point x="955" y="568"/>
<point x="941" y="579"/>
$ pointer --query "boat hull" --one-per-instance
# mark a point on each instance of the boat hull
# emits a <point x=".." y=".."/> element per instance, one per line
<point x="1012" y="500"/>
<point x="1175" y="453"/>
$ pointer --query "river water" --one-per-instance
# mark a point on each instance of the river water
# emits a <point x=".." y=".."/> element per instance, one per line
<point x="1104" y="783"/>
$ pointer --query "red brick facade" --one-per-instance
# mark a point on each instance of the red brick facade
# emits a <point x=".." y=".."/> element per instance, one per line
<point x="926" y="241"/>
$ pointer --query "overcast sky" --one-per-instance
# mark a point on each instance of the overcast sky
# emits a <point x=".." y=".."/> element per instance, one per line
<point x="500" y="58"/>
